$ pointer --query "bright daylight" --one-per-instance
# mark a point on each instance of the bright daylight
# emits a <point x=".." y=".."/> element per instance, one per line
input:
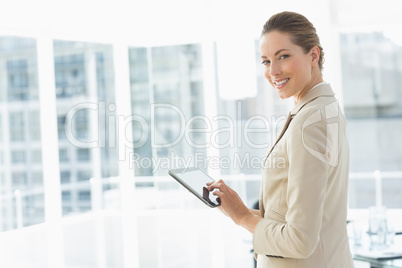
<point x="189" y="134"/>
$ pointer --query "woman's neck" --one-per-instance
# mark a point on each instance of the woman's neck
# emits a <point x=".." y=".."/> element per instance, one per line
<point x="314" y="82"/>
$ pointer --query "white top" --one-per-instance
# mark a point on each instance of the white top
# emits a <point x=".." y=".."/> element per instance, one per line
<point x="322" y="83"/>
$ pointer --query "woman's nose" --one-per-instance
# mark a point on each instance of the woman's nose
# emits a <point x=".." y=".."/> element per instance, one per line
<point x="274" y="69"/>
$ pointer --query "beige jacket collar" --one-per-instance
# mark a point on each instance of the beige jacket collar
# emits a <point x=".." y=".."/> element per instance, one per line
<point x="321" y="90"/>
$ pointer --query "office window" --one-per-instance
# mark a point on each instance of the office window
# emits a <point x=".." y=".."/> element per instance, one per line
<point x="166" y="83"/>
<point x="104" y="75"/>
<point x="65" y="176"/>
<point x="34" y="125"/>
<point x="37" y="178"/>
<point x="84" y="175"/>
<point x="19" y="180"/>
<point x="21" y="166"/>
<point x="69" y="73"/>
<point x="61" y="120"/>
<point x="85" y="100"/>
<point x="83" y="155"/>
<point x="17" y="80"/>
<point x="84" y="195"/>
<point x="18" y="157"/>
<point x="81" y="127"/>
<point x="64" y="155"/>
<point x="66" y="196"/>
<point x="17" y="127"/>
<point x="33" y="209"/>
<point x="20" y="63"/>
<point x="36" y="156"/>
<point x="371" y="71"/>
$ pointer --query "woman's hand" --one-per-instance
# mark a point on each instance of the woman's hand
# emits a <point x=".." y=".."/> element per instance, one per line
<point x="233" y="206"/>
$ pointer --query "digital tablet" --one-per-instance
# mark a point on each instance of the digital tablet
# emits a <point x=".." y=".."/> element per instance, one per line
<point x="195" y="180"/>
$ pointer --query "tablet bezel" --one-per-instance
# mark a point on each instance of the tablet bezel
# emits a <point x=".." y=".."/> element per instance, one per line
<point x="175" y="173"/>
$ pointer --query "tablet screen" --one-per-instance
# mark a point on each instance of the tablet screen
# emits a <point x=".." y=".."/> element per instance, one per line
<point x="196" y="180"/>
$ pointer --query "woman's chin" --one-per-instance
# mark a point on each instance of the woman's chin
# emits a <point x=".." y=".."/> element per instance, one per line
<point x="282" y="95"/>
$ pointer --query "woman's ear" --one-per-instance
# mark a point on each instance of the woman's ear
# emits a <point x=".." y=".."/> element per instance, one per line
<point x="315" y="55"/>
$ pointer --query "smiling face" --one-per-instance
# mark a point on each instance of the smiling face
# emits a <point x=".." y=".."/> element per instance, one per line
<point x="290" y="70"/>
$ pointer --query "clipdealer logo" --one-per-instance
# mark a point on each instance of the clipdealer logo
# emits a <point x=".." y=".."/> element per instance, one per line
<point x="165" y="126"/>
<point x="329" y="152"/>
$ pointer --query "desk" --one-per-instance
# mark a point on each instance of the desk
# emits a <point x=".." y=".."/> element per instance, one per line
<point x="381" y="263"/>
<point x="394" y="263"/>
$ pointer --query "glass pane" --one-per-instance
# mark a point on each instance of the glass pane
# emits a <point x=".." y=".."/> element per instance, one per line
<point x="84" y="93"/>
<point x="21" y="180"/>
<point x="371" y="70"/>
<point x="371" y="67"/>
<point x="167" y="92"/>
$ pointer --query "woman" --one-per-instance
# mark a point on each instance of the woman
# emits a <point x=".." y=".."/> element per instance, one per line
<point x="303" y="203"/>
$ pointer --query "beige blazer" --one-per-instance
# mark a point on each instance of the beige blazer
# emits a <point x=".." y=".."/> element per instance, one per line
<point x="304" y="189"/>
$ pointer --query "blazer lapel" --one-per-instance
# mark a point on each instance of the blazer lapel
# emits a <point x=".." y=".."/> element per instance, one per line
<point x="321" y="90"/>
<point x="285" y="127"/>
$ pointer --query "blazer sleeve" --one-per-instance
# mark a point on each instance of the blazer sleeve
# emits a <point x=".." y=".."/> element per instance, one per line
<point x="297" y="235"/>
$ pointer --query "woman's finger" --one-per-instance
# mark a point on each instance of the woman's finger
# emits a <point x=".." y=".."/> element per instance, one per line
<point x="215" y="185"/>
<point x="214" y="182"/>
<point x="218" y="193"/>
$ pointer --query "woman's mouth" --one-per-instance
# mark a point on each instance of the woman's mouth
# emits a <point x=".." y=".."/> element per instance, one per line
<point x="281" y="83"/>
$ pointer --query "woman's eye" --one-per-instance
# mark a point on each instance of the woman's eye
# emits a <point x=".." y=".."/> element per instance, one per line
<point x="265" y="62"/>
<point x="284" y="57"/>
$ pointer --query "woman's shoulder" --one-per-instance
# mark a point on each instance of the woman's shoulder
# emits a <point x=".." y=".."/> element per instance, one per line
<point x="324" y="104"/>
<point x="317" y="112"/>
